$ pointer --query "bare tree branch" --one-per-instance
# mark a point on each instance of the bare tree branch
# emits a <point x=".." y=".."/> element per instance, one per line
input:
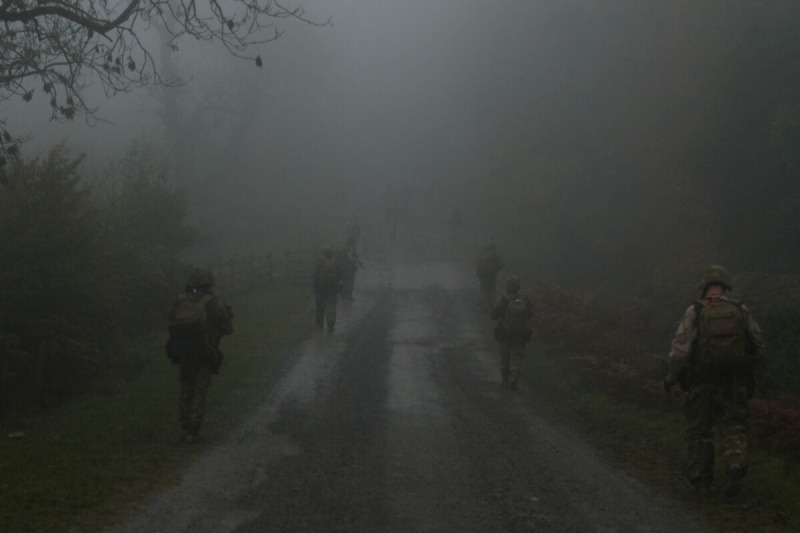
<point x="70" y="13"/>
<point x="54" y="47"/>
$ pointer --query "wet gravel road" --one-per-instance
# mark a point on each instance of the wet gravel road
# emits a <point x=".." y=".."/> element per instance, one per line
<point x="396" y="423"/>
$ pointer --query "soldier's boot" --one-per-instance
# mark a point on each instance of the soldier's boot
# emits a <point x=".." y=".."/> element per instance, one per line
<point x="504" y="373"/>
<point x="700" y="456"/>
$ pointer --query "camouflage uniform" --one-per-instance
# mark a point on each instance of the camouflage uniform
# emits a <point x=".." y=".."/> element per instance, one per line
<point x="326" y="290"/>
<point x="713" y="398"/>
<point x="196" y="371"/>
<point x="488" y="265"/>
<point x="512" y="344"/>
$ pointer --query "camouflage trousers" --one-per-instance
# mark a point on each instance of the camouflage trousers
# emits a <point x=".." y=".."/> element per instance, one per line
<point x="512" y="351"/>
<point x="723" y="406"/>
<point x="326" y="308"/>
<point x="195" y="378"/>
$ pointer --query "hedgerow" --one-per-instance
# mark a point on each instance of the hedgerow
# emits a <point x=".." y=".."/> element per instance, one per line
<point x="81" y="271"/>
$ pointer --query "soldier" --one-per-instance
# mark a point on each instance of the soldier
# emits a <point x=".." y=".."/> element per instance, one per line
<point x="198" y="321"/>
<point x="352" y="232"/>
<point x="488" y="265"/>
<point x="327" y="284"/>
<point x="349" y="263"/>
<point x="513" y="312"/>
<point x="714" y="355"/>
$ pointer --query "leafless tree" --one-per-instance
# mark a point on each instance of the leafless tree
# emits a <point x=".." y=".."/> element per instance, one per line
<point x="52" y="49"/>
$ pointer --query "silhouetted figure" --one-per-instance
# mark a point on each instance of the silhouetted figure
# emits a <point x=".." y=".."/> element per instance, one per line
<point x="198" y="320"/>
<point x="714" y="355"/>
<point x="327" y="284"/>
<point x="513" y="312"/>
<point x="488" y="265"/>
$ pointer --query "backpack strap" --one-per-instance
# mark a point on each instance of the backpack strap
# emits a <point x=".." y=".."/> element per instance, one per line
<point x="204" y="302"/>
<point x="698" y="307"/>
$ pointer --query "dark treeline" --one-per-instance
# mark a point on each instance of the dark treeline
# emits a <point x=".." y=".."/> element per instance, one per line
<point x="82" y="269"/>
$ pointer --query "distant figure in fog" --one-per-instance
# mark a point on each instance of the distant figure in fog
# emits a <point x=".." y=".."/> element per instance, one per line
<point x="513" y="312"/>
<point x="349" y="263"/>
<point x="198" y="320"/>
<point x="714" y="356"/>
<point x="327" y="284"/>
<point x="488" y="265"/>
<point x="352" y="232"/>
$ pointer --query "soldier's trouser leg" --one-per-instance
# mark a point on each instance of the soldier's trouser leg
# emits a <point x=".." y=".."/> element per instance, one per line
<point x="487" y="293"/>
<point x="732" y="419"/>
<point x="516" y="355"/>
<point x="320" y="308"/>
<point x="330" y="309"/>
<point x="699" y="409"/>
<point x="195" y="380"/>
<point x="505" y="361"/>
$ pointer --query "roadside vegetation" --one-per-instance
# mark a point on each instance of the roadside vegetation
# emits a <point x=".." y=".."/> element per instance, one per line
<point x="88" y="399"/>
<point x="89" y="460"/>
<point x="608" y="382"/>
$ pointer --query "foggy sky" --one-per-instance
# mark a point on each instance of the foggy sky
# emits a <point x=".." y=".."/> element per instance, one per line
<point x="440" y="95"/>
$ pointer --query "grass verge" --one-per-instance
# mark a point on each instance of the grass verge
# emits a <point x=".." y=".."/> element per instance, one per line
<point x="81" y="466"/>
<point x="648" y="442"/>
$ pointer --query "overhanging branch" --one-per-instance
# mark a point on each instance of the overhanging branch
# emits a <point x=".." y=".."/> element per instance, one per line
<point x="100" y="26"/>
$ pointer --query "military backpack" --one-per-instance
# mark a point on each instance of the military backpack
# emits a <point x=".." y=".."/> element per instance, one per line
<point x="188" y="328"/>
<point x="330" y="276"/>
<point x="517" y="316"/>
<point x="721" y="343"/>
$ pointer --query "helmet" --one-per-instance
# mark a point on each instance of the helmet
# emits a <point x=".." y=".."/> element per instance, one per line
<point x="201" y="277"/>
<point x="716" y="274"/>
<point x="513" y="284"/>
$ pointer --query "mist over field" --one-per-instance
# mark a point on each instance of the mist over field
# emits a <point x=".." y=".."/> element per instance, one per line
<point x="597" y="141"/>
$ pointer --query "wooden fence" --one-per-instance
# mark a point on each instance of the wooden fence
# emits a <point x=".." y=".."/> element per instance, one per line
<point x="258" y="271"/>
<point x="236" y="275"/>
<point x="299" y="267"/>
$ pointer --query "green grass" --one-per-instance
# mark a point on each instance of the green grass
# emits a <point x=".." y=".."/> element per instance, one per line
<point x="648" y="442"/>
<point x="85" y="463"/>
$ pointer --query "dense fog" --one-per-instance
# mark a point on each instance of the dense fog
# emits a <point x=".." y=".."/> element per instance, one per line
<point x="591" y="141"/>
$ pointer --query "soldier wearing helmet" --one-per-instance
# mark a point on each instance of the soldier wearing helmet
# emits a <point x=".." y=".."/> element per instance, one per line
<point x="715" y="352"/>
<point x="513" y="312"/>
<point x="349" y="262"/>
<point x="198" y="321"/>
<point x="488" y="265"/>
<point x="327" y="284"/>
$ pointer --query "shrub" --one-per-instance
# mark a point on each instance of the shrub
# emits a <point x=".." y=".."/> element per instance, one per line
<point x="80" y="273"/>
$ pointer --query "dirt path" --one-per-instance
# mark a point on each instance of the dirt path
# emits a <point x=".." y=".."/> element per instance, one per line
<point x="396" y="423"/>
